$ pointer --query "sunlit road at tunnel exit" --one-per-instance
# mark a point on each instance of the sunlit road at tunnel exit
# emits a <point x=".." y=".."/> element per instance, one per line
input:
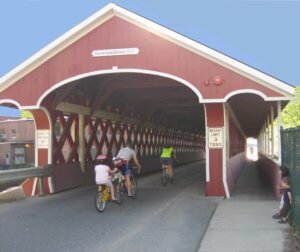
<point x="171" y="218"/>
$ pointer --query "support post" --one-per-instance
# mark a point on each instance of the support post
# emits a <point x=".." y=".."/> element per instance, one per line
<point x="265" y="139"/>
<point x="272" y="131"/>
<point x="278" y="129"/>
<point x="214" y="114"/>
<point x="41" y="187"/>
<point x="268" y="136"/>
<point x="81" y="118"/>
<point x="43" y="153"/>
<point x="259" y="142"/>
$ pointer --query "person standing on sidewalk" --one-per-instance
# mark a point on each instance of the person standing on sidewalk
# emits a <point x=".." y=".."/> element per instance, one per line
<point x="287" y="199"/>
<point x="285" y="172"/>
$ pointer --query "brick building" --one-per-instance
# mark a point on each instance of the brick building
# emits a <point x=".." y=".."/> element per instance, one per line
<point x="17" y="142"/>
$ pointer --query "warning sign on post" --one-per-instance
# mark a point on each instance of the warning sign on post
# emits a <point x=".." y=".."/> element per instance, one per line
<point x="43" y="137"/>
<point x="215" y="138"/>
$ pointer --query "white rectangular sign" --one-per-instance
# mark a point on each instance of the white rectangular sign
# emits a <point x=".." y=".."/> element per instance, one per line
<point x="215" y="138"/>
<point x="115" y="52"/>
<point x="43" y="139"/>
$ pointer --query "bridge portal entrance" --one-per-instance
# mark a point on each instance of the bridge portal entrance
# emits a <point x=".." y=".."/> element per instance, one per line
<point x="118" y="76"/>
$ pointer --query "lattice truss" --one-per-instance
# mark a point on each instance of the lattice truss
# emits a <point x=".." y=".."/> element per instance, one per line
<point x="107" y="137"/>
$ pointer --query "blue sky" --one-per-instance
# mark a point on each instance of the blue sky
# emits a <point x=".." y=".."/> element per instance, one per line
<point x="264" y="34"/>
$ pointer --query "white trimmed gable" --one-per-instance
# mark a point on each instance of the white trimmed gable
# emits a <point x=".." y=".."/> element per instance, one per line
<point x="112" y="10"/>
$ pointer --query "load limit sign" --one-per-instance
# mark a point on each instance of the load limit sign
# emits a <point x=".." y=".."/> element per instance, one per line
<point x="215" y="138"/>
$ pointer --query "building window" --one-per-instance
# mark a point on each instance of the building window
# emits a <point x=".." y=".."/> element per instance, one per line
<point x="2" y="135"/>
<point x="13" y="133"/>
<point x="19" y="155"/>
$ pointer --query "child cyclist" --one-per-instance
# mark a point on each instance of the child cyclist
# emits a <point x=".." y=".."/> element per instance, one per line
<point x="103" y="173"/>
<point x="287" y="199"/>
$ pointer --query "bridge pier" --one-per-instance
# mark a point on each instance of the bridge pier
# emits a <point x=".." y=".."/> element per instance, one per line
<point x="43" y="153"/>
<point x="214" y="157"/>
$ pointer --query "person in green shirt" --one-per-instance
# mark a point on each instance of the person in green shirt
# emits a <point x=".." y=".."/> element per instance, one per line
<point x="167" y="157"/>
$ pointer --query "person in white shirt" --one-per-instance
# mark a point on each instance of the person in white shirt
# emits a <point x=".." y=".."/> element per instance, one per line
<point x="127" y="154"/>
<point x="103" y="174"/>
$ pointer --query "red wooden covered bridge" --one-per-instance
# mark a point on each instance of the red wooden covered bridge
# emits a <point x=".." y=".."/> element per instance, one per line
<point x="119" y="76"/>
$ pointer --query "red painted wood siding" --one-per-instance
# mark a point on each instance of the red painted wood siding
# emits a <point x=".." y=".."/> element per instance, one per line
<point x="237" y="145"/>
<point x="237" y="142"/>
<point x="155" y="54"/>
<point x="234" y="167"/>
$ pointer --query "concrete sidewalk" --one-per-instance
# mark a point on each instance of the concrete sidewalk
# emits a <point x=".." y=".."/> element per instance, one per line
<point x="244" y="222"/>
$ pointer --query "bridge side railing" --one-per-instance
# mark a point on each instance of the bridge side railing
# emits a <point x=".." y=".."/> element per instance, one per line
<point x="290" y="139"/>
<point x="25" y="173"/>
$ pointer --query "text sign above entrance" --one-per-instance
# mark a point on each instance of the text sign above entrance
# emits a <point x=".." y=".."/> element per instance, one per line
<point x="215" y="138"/>
<point x="115" y="52"/>
<point x="43" y="137"/>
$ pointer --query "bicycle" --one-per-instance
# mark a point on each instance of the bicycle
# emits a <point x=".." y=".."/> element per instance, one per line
<point x="134" y="183"/>
<point x="102" y="197"/>
<point x="120" y="188"/>
<point x="119" y="163"/>
<point x="165" y="178"/>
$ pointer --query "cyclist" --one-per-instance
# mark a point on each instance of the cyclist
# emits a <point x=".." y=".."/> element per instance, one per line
<point x="103" y="174"/>
<point x="167" y="157"/>
<point x="127" y="154"/>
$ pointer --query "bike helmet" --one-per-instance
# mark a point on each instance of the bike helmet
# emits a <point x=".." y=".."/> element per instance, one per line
<point x="102" y="157"/>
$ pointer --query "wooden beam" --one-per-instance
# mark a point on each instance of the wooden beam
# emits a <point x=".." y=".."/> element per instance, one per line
<point x="170" y="105"/>
<point x="131" y="101"/>
<point x="61" y="94"/>
<point x="73" y="108"/>
<point x="78" y="109"/>
<point x="101" y="98"/>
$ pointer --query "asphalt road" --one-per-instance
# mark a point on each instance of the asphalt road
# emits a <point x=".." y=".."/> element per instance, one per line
<point x="172" y="218"/>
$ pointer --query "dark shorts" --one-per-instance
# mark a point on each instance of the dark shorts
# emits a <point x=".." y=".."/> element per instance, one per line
<point x="168" y="161"/>
<point x="284" y="211"/>
<point x="126" y="170"/>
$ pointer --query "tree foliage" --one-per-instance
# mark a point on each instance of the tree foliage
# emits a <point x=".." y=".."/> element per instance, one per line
<point x="26" y="114"/>
<point x="291" y="113"/>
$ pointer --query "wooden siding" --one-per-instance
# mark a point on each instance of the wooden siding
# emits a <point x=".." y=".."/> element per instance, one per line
<point x="155" y="54"/>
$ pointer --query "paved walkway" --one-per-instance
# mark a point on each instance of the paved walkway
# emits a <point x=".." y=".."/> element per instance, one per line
<point x="244" y="223"/>
<point x="161" y="219"/>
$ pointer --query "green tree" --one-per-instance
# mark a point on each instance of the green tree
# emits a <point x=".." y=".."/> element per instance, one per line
<point x="26" y="114"/>
<point x="291" y="113"/>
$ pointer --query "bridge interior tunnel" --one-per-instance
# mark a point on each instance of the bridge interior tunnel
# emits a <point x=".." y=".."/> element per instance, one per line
<point x="250" y="116"/>
<point x="98" y="114"/>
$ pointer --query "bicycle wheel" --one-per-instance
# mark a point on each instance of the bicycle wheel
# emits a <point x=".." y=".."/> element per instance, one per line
<point x="120" y="192"/>
<point x="133" y="181"/>
<point x="164" y="177"/>
<point x="172" y="179"/>
<point x="99" y="202"/>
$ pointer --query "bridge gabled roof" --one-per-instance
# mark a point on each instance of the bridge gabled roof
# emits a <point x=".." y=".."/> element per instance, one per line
<point x="112" y="10"/>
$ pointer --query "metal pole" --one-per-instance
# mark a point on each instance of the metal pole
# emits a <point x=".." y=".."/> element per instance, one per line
<point x="41" y="187"/>
<point x="82" y="142"/>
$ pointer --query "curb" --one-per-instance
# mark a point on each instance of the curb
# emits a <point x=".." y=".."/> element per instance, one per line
<point x="12" y="194"/>
<point x="221" y="199"/>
